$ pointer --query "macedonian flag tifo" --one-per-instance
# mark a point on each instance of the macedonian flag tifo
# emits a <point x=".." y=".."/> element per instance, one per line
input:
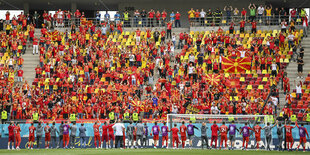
<point x="213" y="79"/>
<point x="231" y="65"/>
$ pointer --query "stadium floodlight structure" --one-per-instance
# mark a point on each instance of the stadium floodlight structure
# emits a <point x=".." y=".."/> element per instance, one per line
<point x="252" y="120"/>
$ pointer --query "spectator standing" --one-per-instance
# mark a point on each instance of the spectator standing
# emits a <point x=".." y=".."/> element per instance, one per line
<point x="228" y="10"/>
<point x="191" y="16"/>
<point x="283" y="14"/>
<point x="107" y="17"/>
<point x="260" y="13"/>
<point x="169" y="27"/>
<point x="276" y="16"/>
<point x="305" y="26"/>
<point x="177" y="22"/>
<point x="243" y="14"/>
<point x="172" y="17"/>
<point x="252" y="9"/>
<point x="98" y="16"/>
<point x="300" y="63"/>
<point x="163" y="17"/>
<point x="143" y="16"/>
<point x="268" y="10"/>
<point x="202" y="17"/>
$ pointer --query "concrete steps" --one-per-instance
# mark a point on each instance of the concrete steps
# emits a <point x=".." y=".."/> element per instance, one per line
<point x="291" y="70"/>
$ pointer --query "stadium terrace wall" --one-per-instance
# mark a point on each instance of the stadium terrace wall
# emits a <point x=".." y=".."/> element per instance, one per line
<point x="196" y="141"/>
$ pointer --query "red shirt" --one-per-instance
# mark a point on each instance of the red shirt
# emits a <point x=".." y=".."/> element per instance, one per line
<point x="47" y="130"/>
<point x="223" y="130"/>
<point x="175" y="132"/>
<point x="214" y="129"/>
<point x="183" y="130"/>
<point x="96" y="129"/>
<point x="17" y="130"/>
<point x="242" y="23"/>
<point x="288" y="130"/>
<point x="257" y="130"/>
<point x="243" y="12"/>
<point x="104" y="130"/>
<point x="253" y="25"/>
<point x="31" y="130"/>
<point x="169" y="25"/>
<point x="20" y="73"/>
<point x="111" y="131"/>
<point x="177" y="16"/>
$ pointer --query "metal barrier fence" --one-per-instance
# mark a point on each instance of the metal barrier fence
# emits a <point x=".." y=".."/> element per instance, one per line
<point x="193" y="22"/>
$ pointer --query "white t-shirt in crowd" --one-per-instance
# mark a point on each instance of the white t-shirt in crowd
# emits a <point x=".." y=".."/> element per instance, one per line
<point x="242" y="54"/>
<point x="298" y="89"/>
<point x="118" y="127"/>
<point x="260" y="10"/>
<point x="273" y="67"/>
<point x="202" y="14"/>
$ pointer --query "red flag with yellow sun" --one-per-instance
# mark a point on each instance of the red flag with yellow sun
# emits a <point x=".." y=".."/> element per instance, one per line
<point x="236" y="65"/>
<point x="53" y="35"/>
<point x="213" y="79"/>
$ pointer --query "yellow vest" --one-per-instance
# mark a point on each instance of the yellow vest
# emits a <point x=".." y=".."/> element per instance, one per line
<point x="35" y="116"/>
<point x="72" y="117"/>
<point x="4" y="115"/>
<point x="271" y="120"/>
<point x="230" y="118"/>
<point x="193" y="119"/>
<point x="125" y="16"/>
<point x="111" y="115"/>
<point x="293" y="118"/>
<point x="135" y="117"/>
<point x="308" y="117"/>
<point x="126" y="116"/>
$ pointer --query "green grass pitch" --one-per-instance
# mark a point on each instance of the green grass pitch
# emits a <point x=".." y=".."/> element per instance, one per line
<point x="78" y="151"/>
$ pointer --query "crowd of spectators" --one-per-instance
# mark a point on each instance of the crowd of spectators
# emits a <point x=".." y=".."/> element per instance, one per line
<point x="92" y="71"/>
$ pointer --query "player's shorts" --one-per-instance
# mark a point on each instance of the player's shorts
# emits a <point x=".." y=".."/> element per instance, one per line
<point x="232" y="137"/>
<point x="224" y="137"/>
<point x="258" y="138"/>
<point x="130" y="137"/>
<point x="303" y="140"/>
<point x="213" y="138"/>
<point x="48" y="138"/>
<point x="190" y="137"/>
<point x="111" y="136"/>
<point x="289" y="139"/>
<point x="175" y="139"/>
<point x="246" y="139"/>
<point x="65" y="138"/>
<point x="11" y="138"/>
<point x="31" y="138"/>
<point x="139" y="137"/>
<point x="105" y="137"/>
<point x="155" y="137"/>
<point x="97" y="137"/>
<point x="18" y="138"/>
<point x="183" y="138"/>
<point x="165" y="138"/>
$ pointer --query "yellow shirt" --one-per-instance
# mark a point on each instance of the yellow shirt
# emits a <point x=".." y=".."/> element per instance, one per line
<point x="191" y="13"/>
<point x="268" y="12"/>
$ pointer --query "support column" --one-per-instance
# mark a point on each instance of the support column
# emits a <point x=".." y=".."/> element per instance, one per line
<point x="26" y="8"/>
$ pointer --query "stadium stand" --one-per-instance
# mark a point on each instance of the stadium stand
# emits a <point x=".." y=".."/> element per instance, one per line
<point x="96" y="68"/>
